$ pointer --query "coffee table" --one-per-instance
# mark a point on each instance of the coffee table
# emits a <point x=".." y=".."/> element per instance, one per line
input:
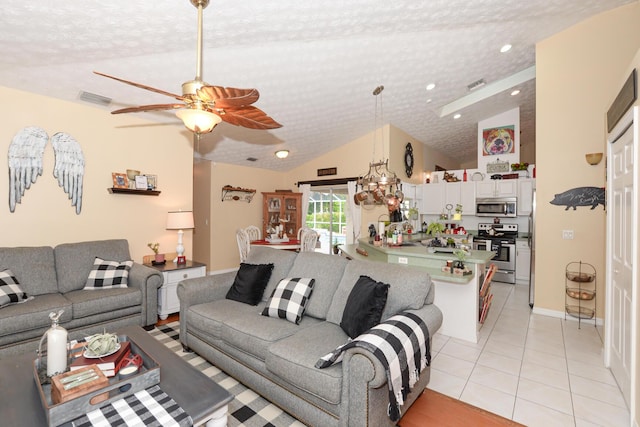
<point x="200" y="397"/>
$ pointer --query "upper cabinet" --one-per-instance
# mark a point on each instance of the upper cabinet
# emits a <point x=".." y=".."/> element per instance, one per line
<point x="525" y="196"/>
<point x="435" y="197"/>
<point x="497" y="188"/>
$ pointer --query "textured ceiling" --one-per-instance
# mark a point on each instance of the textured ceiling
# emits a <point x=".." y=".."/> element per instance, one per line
<point x="314" y="63"/>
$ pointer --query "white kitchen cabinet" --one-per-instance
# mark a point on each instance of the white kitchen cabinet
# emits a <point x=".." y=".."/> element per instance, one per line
<point x="525" y="196"/>
<point x="433" y="199"/>
<point x="172" y="273"/>
<point x="497" y="188"/>
<point x="523" y="261"/>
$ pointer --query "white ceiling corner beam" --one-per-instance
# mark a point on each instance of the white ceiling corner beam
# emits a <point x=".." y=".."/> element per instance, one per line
<point x="488" y="91"/>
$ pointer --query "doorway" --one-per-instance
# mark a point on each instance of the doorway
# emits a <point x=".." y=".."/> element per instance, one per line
<point x="327" y="215"/>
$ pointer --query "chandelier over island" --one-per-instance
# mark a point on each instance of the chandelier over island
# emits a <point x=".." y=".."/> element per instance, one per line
<point x="379" y="186"/>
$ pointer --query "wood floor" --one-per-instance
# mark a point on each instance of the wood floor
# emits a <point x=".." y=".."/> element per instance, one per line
<point x="433" y="408"/>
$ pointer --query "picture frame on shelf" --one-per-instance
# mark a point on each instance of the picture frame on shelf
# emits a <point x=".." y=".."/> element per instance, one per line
<point x="120" y="180"/>
<point x="141" y="182"/>
<point x="152" y="182"/>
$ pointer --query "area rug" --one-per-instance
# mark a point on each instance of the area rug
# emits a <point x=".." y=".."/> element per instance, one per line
<point x="247" y="408"/>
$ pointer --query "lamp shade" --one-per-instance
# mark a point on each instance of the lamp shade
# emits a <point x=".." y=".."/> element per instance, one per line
<point x="180" y="220"/>
<point x="198" y="121"/>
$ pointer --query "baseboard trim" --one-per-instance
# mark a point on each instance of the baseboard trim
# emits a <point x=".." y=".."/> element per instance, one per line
<point x="561" y="315"/>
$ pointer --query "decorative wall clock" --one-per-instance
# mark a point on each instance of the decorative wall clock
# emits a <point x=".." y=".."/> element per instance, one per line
<point x="408" y="159"/>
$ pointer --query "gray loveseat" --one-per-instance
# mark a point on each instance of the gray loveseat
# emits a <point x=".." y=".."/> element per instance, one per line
<point x="54" y="277"/>
<point x="276" y="357"/>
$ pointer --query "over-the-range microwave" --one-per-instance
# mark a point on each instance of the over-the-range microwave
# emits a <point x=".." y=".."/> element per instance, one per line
<point x="501" y="207"/>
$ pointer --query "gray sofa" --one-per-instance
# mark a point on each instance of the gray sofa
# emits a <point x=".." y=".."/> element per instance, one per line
<point x="54" y="277"/>
<point x="276" y="358"/>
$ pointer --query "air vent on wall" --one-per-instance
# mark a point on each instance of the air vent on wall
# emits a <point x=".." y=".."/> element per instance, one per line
<point x="94" y="98"/>
<point x="476" y="84"/>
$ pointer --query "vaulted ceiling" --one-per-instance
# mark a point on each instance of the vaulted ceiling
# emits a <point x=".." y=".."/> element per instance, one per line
<point x="315" y="64"/>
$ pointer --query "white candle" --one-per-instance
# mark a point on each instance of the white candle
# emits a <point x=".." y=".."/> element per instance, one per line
<point x="56" y="351"/>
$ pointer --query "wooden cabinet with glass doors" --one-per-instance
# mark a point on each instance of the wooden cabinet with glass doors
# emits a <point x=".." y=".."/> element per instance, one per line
<point x="282" y="207"/>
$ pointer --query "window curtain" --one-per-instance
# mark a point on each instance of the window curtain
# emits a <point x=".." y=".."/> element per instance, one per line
<point x="305" y="189"/>
<point x="355" y="212"/>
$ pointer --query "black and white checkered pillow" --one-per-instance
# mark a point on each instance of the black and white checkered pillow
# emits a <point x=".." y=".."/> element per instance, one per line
<point x="10" y="290"/>
<point x="289" y="299"/>
<point x="108" y="274"/>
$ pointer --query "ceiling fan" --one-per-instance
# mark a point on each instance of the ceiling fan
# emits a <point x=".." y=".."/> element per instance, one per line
<point x="202" y="105"/>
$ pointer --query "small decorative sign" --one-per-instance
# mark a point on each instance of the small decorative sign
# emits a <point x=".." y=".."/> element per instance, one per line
<point x="498" y="166"/>
<point x="327" y="171"/>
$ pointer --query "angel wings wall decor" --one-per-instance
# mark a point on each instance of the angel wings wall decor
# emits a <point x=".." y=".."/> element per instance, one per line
<point x="26" y="153"/>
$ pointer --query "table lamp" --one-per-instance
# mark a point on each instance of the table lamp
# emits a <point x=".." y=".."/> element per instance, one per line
<point x="180" y="220"/>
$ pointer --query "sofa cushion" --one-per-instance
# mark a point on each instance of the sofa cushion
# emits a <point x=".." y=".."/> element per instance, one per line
<point x="327" y="271"/>
<point x="34" y="267"/>
<point x="249" y="283"/>
<point x="281" y="260"/>
<point x="364" y="306"/>
<point x="293" y="359"/>
<point x="74" y="261"/>
<point x="289" y="299"/>
<point x="408" y="287"/>
<point x="89" y="302"/>
<point x="10" y="290"/>
<point x="34" y="315"/>
<point x="235" y="323"/>
<point x="108" y="274"/>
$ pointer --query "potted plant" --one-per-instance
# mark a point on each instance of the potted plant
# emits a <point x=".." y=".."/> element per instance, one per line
<point x="458" y="215"/>
<point x="435" y="228"/>
<point x="159" y="258"/>
<point x="461" y="255"/>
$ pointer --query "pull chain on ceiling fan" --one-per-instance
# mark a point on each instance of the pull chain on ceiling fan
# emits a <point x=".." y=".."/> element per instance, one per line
<point x="203" y="106"/>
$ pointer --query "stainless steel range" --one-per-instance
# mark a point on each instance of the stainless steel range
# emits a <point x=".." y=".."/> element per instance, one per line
<point x="501" y="239"/>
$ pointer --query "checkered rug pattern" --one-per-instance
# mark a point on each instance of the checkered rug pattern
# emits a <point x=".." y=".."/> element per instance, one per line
<point x="247" y="408"/>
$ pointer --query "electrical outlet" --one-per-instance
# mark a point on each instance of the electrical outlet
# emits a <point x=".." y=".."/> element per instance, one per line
<point x="567" y="234"/>
<point x="403" y="260"/>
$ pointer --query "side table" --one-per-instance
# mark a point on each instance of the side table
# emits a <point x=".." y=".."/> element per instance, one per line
<point x="173" y="273"/>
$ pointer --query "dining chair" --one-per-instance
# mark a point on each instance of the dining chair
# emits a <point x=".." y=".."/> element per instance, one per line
<point x="300" y="230"/>
<point x="244" y="244"/>
<point x="308" y="240"/>
<point x="253" y="232"/>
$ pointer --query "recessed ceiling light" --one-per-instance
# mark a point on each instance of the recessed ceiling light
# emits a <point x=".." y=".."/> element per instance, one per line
<point x="505" y="48"/>
<point x="457" y="116"/>
<point x="282" y="154"/>
<point x="515" y="92"/>
<point x="431" y="86"/>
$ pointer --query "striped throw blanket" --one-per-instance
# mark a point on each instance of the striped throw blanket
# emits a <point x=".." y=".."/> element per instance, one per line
<point x="401" y="343"/>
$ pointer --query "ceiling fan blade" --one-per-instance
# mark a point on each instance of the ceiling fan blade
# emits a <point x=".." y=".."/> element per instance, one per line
<point x="228" y="97"/>
<point x="141" y="86"/>
<point x="152" y="107"/>
<point x="249" y="117"/>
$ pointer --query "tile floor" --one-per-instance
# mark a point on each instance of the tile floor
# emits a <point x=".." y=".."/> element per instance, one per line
<point x="536" y="370"/>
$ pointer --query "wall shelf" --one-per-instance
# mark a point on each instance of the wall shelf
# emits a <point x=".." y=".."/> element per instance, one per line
<point x="237" y="193"/>
<point x="131" y="191"/>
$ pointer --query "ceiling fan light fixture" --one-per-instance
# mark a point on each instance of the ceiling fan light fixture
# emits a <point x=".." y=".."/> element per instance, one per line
<point x="198" y="121"/>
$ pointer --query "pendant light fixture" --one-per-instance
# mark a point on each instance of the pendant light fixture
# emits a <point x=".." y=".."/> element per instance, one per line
<point x="377" y="185"/>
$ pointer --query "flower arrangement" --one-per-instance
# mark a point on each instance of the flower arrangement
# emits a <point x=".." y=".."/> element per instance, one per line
<point x="519" y="166"/>
<point x="154" y="247"/>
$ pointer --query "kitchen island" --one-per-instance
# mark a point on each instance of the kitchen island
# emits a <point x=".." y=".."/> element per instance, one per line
<point x="456" y="295"/>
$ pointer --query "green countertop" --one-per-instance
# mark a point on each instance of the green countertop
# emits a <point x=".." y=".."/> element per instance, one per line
<point x="417" y="256"/>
